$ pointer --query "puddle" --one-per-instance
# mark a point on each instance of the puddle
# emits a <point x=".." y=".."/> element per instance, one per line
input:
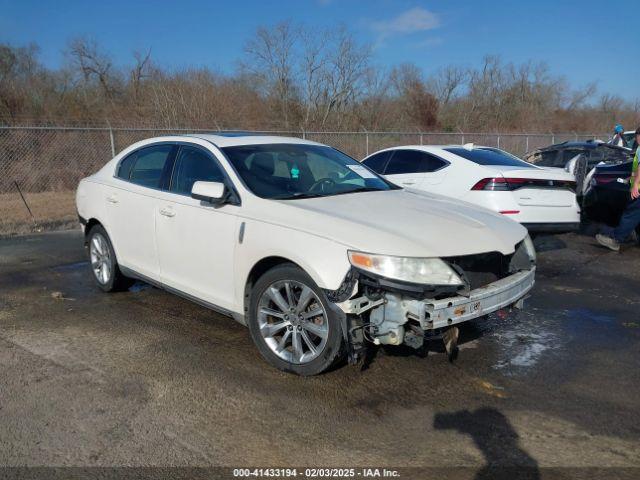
<point x="524" y="345"/>
<point x="586" y="314"/>
<point x="547" y="243"/>
<point x="527" y="338"/>
<point x="70" y="266"/>
<point x="139" y="287"/>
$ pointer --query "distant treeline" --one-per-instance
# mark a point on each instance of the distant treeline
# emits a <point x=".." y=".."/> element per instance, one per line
<point x="291" y="77"/>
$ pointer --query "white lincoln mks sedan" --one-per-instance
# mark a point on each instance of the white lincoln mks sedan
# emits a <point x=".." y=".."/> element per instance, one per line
<point x="315" y="253"/>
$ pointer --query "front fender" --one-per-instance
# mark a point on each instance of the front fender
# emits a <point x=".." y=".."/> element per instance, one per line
<point x="324" y="260"/>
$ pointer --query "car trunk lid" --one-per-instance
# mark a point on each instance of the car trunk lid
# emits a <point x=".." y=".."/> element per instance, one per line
<point x="540" y="187"/>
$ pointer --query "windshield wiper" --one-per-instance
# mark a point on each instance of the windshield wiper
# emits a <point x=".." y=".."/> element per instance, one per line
<point x="298" y="196"/>
<point x="361" y="189"/>
<point x="301" y="195"/>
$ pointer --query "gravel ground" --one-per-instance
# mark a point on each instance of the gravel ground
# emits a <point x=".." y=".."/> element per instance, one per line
<point x="144" y="378"/>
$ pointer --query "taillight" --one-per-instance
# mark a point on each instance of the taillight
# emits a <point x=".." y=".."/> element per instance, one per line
<point x="604" y="178"/>
<point x="510" y="184"/>
<point x="493" y="184"/>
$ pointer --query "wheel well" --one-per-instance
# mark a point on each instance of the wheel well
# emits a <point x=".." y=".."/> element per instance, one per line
<point x="92" y="222"/>
<point x="259" y="269"/>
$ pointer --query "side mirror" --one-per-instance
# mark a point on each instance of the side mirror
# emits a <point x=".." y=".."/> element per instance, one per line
<point x="210" y="192"/>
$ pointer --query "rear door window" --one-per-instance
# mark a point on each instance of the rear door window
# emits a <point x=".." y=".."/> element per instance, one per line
<point x="378" y="161"/>
<point x="149" y="165"/>
<point x="413" y="161"/>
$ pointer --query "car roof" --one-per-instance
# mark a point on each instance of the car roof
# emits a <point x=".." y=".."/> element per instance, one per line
<point x="434" y="148"/>
<point x="231" y="139"/>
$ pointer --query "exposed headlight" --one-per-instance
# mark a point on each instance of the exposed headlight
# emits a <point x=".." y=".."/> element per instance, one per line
<point x="531" y="250"/>
<point x="431" y="271"/>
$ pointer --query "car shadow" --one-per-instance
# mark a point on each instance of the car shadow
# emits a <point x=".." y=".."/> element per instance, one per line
<point x="546" y="243"/>
<point x="494" y="436"/>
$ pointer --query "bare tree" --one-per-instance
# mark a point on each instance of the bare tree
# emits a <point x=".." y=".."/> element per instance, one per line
<point x="346" y="66"/>
<point x="296" y="77"/>
<point x="91" y="62"/>
<point x="312" y="72"/>
<point x="140" y="72"/>
<point x="420" y="107"/>
<point x="271" y="60"/>
<point x="447" y="83"/>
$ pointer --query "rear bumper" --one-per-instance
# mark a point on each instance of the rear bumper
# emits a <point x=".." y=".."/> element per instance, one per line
<point x="566" y="213"/>
<point x="563" y="227"/>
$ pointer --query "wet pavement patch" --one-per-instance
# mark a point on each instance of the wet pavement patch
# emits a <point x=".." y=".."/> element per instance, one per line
<point x="139" y="287"/>
<point x="71" y="266"/>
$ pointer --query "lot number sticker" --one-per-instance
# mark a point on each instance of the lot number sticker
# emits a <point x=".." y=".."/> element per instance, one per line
<point x="360" y="170"/>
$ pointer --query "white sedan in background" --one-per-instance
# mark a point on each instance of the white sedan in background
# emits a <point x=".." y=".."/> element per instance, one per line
<point x="542" y="199"/>
<point x="311" y="250"/>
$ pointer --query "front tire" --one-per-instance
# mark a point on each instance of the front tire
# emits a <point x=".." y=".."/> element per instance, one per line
<point x="292" y="324"/>
<point x="103" y="262"/>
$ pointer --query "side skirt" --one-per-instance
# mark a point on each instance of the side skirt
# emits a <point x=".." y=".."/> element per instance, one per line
<point x="238" y="317"/>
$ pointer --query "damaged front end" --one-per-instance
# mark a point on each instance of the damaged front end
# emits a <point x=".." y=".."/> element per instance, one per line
<point x="390" y="311"/>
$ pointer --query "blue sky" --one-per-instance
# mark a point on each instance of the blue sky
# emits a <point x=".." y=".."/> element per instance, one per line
<point x="578" y="39"/>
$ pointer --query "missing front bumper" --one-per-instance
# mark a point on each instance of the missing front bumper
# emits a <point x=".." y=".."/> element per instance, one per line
<point x="481" y="301"/>
<point x="393" y="316"/>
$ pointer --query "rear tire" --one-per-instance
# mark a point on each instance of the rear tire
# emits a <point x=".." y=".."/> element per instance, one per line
<point x="292" y="324"/>
<point x="104" y="263"/>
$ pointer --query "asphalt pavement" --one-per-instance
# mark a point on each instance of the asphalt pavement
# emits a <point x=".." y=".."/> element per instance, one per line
<point x="145" y="378"/>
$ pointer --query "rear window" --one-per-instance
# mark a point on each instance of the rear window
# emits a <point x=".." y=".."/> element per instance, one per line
<point x="489" y="157"/>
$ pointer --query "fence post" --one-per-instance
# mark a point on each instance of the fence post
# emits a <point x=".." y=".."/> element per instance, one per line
<point x="366" y="142"/>
<point x="304" y="134"/>
<point x="527" y="144"/>
<point x="498" y="141"/>
<point x="421" y="142"/>
<point x="553" y="139"/>
<point x="113" y="143"/>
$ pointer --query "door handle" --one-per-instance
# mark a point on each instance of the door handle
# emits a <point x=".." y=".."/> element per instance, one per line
<point x="167" y="212"/>
<point x="408" y="183"/>
<point x="112" y="199"/>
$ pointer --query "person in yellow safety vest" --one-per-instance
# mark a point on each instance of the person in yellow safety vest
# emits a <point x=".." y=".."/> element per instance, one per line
<point x="631" y="215"/>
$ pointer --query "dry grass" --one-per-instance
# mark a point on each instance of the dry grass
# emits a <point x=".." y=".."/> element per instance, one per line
<point x="51" y="210"/>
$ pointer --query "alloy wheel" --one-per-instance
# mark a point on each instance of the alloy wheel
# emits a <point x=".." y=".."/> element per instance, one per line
<point x="292" y="321"/>
<point x="100" y="256"/>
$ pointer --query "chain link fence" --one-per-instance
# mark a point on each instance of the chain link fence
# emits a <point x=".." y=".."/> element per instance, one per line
<point x="40" y="167"/>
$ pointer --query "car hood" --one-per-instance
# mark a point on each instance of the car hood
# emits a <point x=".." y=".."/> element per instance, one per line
<point x="400" y="222"/>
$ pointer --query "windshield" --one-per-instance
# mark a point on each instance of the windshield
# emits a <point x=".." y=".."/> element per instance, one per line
<point x="629" y="139"/>
<point x="489" y="156"/>
<point x="287" y="171"/>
